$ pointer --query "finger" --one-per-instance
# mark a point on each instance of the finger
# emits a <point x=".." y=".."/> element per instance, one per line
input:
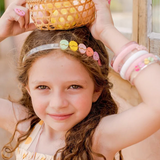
<point x="27" y="18"/>
<point x="21" y="22"/>
<point x="31" y="27"/>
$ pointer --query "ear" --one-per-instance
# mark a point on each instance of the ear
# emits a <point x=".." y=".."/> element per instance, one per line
<point x="96" y="95"/>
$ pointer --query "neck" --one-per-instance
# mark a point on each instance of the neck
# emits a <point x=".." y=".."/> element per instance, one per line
<point x="52" y="134"/>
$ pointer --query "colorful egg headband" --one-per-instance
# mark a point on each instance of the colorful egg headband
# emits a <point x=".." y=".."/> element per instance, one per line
<point x="63" y="45"/>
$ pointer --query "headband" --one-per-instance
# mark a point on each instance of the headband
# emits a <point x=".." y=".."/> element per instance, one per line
<point x="63" y="45"/>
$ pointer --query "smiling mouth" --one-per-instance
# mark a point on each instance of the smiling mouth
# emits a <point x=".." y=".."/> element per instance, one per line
<point x="60" y="117"/>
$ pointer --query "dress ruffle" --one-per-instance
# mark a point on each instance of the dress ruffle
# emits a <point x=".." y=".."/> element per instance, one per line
<point x="22" y="154"/>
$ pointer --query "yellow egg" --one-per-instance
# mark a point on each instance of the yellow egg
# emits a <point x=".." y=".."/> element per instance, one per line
<point x="146" y="61"/>
<point x="64" y="11"/>
<point x="72" y="10"/>
<point x="61" y="19"/>
<point x="70" y="18"/>
<point x="55" y="13"/>
<point x="74" y="23"/>
<point x="59" y="26"/>
<point x="57" y="4"/>
<point x="76" y="16"/>
<point x="49" y="5"/>
<point x="53" y="20"/>
<point x="66" y="4"/>
<point x="73" y="45"/>
<point x="67" y="25"/>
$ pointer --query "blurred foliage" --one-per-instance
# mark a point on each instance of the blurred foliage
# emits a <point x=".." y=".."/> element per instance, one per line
<point x="155" y="2"/>
<point x="2" y="8"/>
<point x="116" y="6"/>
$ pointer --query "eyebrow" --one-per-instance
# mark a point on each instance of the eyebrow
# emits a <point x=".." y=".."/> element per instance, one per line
<point x="38" y="82"/>
<point x="72" y="82"/>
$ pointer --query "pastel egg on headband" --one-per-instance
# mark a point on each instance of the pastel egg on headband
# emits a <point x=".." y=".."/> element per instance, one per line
<point x="63" y="45"/>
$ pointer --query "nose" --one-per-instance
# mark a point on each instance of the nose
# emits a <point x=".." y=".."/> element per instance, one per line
<point x="58" y="100"/>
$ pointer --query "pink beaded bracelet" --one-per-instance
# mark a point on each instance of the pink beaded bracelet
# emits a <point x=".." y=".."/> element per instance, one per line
<point x="122" y="54"/>
<point x="125" y="46"/>
<point x="116" y="54"/>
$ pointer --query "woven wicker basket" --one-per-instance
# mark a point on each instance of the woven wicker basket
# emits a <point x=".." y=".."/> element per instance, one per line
<point x="61" y="14"/>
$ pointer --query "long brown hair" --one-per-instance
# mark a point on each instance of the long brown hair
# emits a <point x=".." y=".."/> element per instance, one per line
<point x="79" y="138"/>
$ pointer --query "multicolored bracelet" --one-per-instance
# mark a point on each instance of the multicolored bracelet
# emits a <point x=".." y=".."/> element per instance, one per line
<point x="130" y="60"/>
<point x="137" y="62"/>
<point x="142" y="65"/>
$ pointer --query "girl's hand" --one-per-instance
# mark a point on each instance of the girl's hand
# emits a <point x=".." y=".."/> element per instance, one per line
<point x="11" y="23"/>
<point x="103" y="19"/>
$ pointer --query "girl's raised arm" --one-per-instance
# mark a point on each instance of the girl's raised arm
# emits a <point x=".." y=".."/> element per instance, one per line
<point x="15" y="20"/>
<point x="10" y="114"/>
<point x="119" y="131"/>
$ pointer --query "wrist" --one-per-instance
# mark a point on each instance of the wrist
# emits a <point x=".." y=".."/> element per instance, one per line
<point x="113" y="39"/>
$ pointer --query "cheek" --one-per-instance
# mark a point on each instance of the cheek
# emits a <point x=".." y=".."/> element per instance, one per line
<point x="83" y="104"/>
<point x="39" y="105"/>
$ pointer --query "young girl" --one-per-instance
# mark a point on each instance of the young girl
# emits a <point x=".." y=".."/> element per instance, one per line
<point x="66" y="111"/>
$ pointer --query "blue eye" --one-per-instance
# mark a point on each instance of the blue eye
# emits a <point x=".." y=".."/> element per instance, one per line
<point x="75" y="87"/>
<point x="42" y="87"/>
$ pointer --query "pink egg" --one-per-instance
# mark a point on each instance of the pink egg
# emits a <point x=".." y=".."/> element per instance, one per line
<point x="82" y="48"/>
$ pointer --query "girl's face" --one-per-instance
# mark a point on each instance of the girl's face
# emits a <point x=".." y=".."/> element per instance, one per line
<point x="61" y="89"/>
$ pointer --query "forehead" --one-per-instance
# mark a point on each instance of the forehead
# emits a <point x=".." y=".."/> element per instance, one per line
<point x="60" y="66"/>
